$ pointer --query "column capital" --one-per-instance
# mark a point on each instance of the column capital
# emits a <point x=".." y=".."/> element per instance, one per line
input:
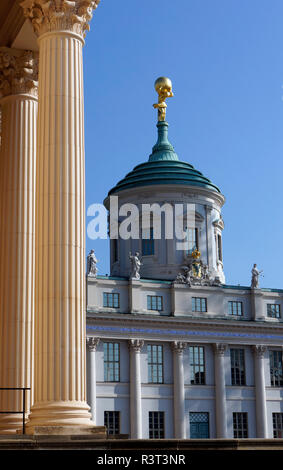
<point x="92" y="343"/>
<point x="178" y="347"/>
<point x="59" y="15"/>
<point x="220" y="348"/>
<point x="18" y="72"/>
<point x="135" y="344"/>
<point x="259" y="350"/>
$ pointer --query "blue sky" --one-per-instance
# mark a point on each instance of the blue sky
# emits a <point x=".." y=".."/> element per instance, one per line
<point x="225" y="59"/>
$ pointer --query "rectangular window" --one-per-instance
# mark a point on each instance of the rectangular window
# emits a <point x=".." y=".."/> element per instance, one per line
<point x="111" y="300"/>
<point x="273" y="310"/>
<point x="199" y="304"/>
<point x="155" y="363"/>
<point x="115" y="250"/>
<point x="156" y="424"/>
<point x="197" y="365"/>
<point x="111" y="362"/>
<point x="192" y="239"/>
<point x="276" y="377"/>
<point x="219" y="247"/>
<point x="277" y="420"/>
<point x="112" y="422"/>
<point x="237" y="366"/>
<point x="240" y="425"/>
<point x="147" y="242"/>
<point x="154" y="302"/>
<point x="235" y="308"/>
<point x="199" y="425"/>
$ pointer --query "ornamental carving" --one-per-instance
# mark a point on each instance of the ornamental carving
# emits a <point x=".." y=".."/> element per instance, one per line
<point x="135" y="344"/>
<point x="92" y="343"/>
<point x="259" y="350"/>
<point x="59" y="15"/>
<point x="178" y="347"/>
<point x="220" y="348"/>
<point x="196" y="273"/>
<point x="18" y="72"/>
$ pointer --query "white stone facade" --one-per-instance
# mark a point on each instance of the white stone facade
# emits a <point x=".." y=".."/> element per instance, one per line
<point x="176" y="328"/>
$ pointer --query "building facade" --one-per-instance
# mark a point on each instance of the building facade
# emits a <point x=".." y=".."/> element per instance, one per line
<point x="172" y="351"/>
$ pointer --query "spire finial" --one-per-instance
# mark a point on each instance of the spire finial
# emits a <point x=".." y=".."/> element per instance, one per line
<point x="163" y="86"/>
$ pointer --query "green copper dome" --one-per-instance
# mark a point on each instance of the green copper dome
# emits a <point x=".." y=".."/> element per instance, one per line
<point x="163" y="167"/>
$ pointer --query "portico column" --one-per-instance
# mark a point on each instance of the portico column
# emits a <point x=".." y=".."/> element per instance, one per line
<point x="260" y="394"/>
<point x="220" y="392"/>
<point x="135" y="346"/>
<point x="179" y="389"/>
<point x="92" y="344"/>
<point x="18" y="101"/>
<point x="60" y="378"/>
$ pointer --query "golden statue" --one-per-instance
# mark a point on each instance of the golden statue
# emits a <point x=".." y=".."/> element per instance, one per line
<point x="163" y="86"/>
<point x="196" y="254"/>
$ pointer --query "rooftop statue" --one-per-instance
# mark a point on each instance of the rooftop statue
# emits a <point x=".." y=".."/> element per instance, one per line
<point x="136" y="265"/>
<point x="255" y="276"/>
<point x="163" y="86"/>
<point x="91" y="264"/>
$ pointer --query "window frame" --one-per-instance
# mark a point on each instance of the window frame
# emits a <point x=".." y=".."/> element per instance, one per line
<point x="269" y="309"/>
<point x="106" y="420"/>
<point x="240" y="425"/>
<point x="238" y="378"/>
<point x="150" y="302"/>
<point x="152" y="366"/>
<point x="275" y="427"/>
<point x="194" y="304"/>
<point x="275" y="382"/>
<point x="116" y="363"/>
<point x="147" y="244"/>
<point x="194" y="365"/>
<point x="107" y="296"/>
<point x="152" y="431"/>
<point x="193" y="240"/>
<point x="231" y="303"/>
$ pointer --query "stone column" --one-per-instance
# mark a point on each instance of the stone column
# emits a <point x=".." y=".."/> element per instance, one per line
<point x="18" y="101"/>
<point x="60" y="378"/>
<point x="92" y="344"/>
<point x="179" y="389"/>
<point x="220" y="392"/>
<point x="260" y="394"/>
<point x="135" y="346"/>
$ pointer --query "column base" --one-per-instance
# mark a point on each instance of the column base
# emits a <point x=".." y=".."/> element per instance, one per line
<point x="11" y="424"/>
<point x="63" y="417"/>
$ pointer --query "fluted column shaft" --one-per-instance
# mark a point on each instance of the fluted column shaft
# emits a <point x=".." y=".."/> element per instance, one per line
<point x="92" y="344"/>
<point x="135" y="389"/>
<point x="220" y="391"/>
<point x="17" y="200"/>
<point x="260" y="394"/>
<point x="179" y="390"/>
<point x="60" y="353"/>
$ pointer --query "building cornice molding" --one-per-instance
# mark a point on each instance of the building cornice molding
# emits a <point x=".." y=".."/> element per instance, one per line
<point x="59" y="15"/>
<point x="18" y="72"/>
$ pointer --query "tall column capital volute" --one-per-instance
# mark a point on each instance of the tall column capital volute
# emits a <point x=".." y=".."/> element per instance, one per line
<point x="220" y="348"/>
<point x="92" y="343"/>
<point x="59" y="15"/>
<point x="135" y="344"/>
<point x="259" y="350"/>
<point x="18" y="72"/>
<point x="178" y="347"/>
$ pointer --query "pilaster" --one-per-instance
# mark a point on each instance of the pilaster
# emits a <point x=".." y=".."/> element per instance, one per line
<point x="135" y="346"/>
<point x="260" y="393"/>
<point x="220" y="391"/>
<point x="92" y="344"/>
<point x="179" y="389"/>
